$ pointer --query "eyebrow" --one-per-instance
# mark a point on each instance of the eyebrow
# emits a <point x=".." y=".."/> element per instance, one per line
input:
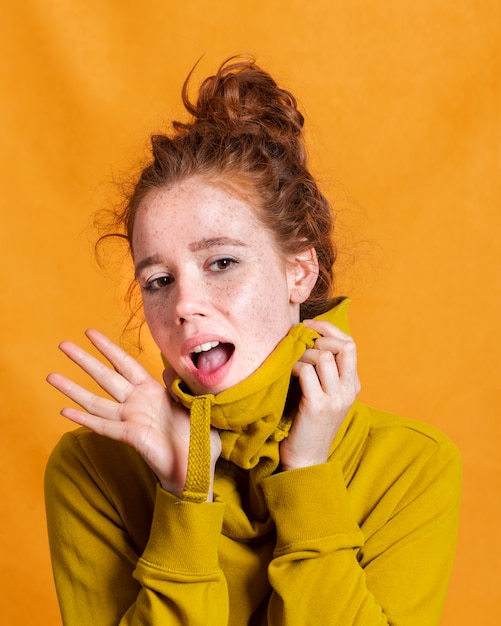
<point x="205" y="244"/>
<point x="149" y="260"/>
<point x="202" y="244"/>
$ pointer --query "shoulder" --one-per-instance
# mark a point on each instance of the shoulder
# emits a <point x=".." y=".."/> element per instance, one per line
<point x="398" y="464"/>
<point x="410" y="455"/>
<point x="384" y="451"/>
<point x="409" y="436"/>
<point x="84" y="457"/>
<point x="84" y="447"/>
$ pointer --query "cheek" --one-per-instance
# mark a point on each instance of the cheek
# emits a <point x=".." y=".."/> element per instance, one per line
<point x="269" y="312"/>
<point x="156" y="316"/>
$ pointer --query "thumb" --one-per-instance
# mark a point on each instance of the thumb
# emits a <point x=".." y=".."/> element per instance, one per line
<point x="168" y="376"/>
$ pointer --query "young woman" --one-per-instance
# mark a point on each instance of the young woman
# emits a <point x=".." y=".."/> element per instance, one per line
<point x="251" y="487"/>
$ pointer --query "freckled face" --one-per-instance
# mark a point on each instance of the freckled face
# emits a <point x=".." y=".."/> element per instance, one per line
<point x="216" y="291"/>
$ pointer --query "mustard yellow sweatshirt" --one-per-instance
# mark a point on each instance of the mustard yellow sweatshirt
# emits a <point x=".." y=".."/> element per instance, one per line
<point x="365" y="539"/>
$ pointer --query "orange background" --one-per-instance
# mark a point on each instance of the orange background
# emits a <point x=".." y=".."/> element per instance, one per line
<point x="403" y="105"/>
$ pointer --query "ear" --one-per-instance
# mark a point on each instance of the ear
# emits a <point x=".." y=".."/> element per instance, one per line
<point x="302" y="272"/>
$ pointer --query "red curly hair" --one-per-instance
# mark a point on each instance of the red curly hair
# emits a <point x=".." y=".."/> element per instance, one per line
<point x="246" y="133"/>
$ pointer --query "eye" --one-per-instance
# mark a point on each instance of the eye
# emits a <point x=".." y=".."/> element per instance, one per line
<point x="222" y="264"/>
<point x="155" y="284"/>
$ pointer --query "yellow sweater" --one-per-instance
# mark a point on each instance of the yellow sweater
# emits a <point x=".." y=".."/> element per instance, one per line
<point x="365" y="539"/>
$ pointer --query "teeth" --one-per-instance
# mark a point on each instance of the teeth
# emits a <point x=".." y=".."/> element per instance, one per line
<point x="205" y="347"/>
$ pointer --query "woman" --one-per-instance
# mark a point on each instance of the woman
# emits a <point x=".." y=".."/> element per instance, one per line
<point x="252" y="488"/>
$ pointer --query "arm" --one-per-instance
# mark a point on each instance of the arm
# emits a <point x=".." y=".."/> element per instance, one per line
<point x="179" y="570"/>
<point x="103" y="575"/>
<point x="325" y="569"/>
<point x="326" y="572"/>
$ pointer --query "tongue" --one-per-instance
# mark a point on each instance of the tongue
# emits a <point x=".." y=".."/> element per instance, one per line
<point x="214" y="358"/>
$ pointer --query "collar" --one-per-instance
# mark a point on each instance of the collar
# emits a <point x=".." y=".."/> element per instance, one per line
<point x="253" y="416"/>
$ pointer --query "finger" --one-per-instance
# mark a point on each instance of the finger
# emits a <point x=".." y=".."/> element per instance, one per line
<point x="169" y="376"/>
<point x="326" y="329"/>
<point x="108" y="379"/>
<point x="108" y="428"/>
<point x="345" y="352"/>
<point x="323" y="364"/>
<point x="101" y="407"/>
<point x="308" y="380"/>
<point x="121" y="360"/>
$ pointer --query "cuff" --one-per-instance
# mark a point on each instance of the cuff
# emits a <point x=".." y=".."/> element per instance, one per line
<point x="310" y="505"/>
<point x="184" y="536"/>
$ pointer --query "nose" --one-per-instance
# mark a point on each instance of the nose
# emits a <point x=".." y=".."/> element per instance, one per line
<point x="191" y="299"/>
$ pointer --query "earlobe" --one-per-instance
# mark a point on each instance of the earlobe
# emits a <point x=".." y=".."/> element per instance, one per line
<point x="303" y="274"/>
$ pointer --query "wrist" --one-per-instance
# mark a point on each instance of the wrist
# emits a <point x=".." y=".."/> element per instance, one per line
<point x="302" y="463"/>
<point x="177" y="489"/>
<point x="289" y="461"/>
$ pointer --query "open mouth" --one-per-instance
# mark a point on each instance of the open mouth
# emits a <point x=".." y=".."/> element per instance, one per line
<point x="211" y="356"/>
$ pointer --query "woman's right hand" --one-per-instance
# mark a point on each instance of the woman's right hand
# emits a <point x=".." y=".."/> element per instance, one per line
<point x="144" y="415"/>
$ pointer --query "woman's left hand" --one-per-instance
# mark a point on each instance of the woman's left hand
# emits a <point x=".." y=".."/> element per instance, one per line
<point x="329" y="384"/>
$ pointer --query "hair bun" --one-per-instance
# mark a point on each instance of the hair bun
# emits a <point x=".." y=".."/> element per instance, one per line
<point x="245" y="134"/>
<point x="241" y="98"/>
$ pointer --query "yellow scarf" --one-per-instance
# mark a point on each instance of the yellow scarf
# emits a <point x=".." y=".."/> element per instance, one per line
<point x="251" y="416"/>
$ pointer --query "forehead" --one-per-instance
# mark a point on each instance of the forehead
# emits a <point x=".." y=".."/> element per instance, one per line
<point x="192" y="208"/>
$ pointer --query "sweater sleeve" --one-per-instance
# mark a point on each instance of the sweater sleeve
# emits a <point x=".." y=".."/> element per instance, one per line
<point x="102" y="579"/>
<point x="326" y="572"/>
<point x="181" y="582"/>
